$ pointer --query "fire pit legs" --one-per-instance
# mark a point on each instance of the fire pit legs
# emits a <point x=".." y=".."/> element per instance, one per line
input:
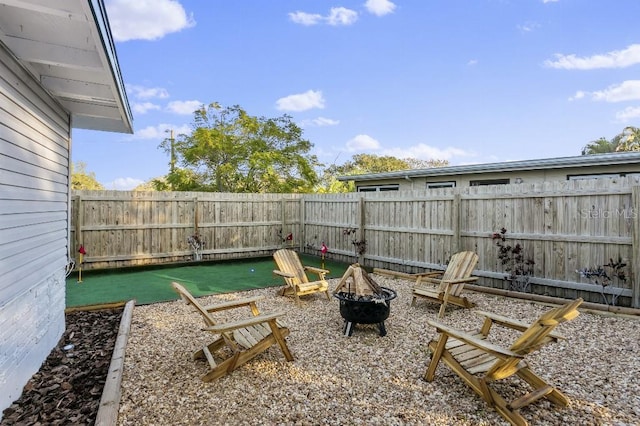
<point x="349" y="326"/>
<point x="347" y="329"/>
<point x="382" y="329"/>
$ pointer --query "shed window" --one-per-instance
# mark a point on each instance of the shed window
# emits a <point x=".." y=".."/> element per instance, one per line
<point x="594" y="176"/>
<point x="489" y="182"/>
<point x="377" y="188"/>
<point x="445" y="184"/>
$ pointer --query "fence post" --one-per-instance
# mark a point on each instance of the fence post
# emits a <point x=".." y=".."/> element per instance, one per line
<point x="361" y="223"/>
<point x="455" y="222"/>
<point x="195" y="216"/>
<point x="635" y="247"/>
<point x="302" y="224"/>
<point x="283" y="214"/>
<point x="79" y="213"/>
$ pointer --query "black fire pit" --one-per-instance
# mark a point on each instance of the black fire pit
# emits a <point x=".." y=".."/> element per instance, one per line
<point x="369" y="309"/>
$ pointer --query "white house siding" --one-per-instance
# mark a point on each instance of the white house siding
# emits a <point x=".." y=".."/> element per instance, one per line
<point x="34" y="173"/>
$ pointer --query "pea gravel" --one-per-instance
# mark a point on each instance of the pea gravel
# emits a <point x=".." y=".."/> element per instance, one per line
<point x="366" y="379"/>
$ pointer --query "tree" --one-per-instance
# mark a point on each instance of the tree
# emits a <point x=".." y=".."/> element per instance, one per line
<point x="82" y="179"/>
<point x="630" y="139"/>
<point x="147" y="186"/>
<point x="415" y="163"/>
<point x="370" y="163"/>
<point x="232" y="151"/>
<point x="600" y="146"/>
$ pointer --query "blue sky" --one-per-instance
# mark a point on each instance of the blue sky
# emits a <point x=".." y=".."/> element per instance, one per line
<point x="469" y="81"/>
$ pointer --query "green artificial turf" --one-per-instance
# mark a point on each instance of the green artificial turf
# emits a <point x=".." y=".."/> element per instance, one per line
<point x="152" y="285"/>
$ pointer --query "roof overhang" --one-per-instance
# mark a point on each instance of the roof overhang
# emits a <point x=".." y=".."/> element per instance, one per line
<point x="67" y="46"/>
<point x="619" y="158"/>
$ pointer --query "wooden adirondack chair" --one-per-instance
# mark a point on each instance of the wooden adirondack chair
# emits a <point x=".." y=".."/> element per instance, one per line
<point x="446" y="287"/>
<point x="479" y="362"/>
<point x="294" y="273"/>
<point x="245" y="338"/>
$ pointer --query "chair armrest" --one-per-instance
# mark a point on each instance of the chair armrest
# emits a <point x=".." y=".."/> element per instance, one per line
<point x="513" y="323"/>
<point x="461" y="280"/>
<point x="437" y="281"/>
<point x="284" y="274"/>
<point x="233" y="304"/>
<point x="316" y="270"/>
<point x="483" y="345"/>
<point x="234" y="325"/>
<point x="427" y="274"/>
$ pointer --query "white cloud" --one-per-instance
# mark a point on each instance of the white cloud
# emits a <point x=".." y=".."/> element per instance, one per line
<point x="319" y="122"/>
<point x="301" y="102"/>
<point x="144" y="107"/>
<point x="628" y="114"/>
<point x="142" y="92"/>
<point x="626" y="91"/>
<point x="580" y="94"/>
<point x="124" y="184"/>
<point x="528" y="27"/>
<point x="161" y="131"/>
<point x="184" y="107"/>
<point x="549" y="1"/>
<point x="341" y="16"/>
<point x="380" y="7"/>
<point x="614" y="59"/>
<point x="146" y="19"/>
<point x="337" y="16"/>
<point x="362" y="143"/>
<point x="426" y="152"/>
<point x="304" y="18"/>
<point x="472" y="62"/>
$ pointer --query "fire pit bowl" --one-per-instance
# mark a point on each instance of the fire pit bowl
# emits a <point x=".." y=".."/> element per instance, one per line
<point x="369" y="309"/>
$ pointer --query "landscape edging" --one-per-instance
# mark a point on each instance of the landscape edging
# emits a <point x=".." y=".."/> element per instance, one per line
<point x="110" y="401"/>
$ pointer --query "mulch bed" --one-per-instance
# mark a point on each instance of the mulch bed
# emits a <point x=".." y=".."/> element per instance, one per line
<point x="68" y="387"/>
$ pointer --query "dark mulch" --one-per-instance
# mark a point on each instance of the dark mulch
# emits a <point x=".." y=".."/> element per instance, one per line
<point x="68" y="387"/>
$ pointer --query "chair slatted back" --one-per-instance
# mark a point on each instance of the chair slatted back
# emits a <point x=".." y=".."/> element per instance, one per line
<point x="460" y="266"/>
<point x="536" y="336"/>
<point x="190" y="300"/>
<point x="288" y="261"/>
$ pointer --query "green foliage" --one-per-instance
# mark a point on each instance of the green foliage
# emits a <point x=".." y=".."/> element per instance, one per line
<point x="232" y="151"/>
<point x="600" y="146"/>
<point x="146" y="186"/>
<point x="369" y="163"/>
<point x="627" y="141"/>
<point x="82" y="179"/>
<point x="415" y="163"/>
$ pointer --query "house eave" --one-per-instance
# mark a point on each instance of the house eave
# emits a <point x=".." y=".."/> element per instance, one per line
<point x="68" y="47"/>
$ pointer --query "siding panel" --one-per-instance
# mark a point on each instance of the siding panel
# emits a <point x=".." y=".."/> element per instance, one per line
<point x="34" y="158"/>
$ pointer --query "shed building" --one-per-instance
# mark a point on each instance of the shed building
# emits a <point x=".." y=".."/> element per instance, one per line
<point x="512" y="172"/>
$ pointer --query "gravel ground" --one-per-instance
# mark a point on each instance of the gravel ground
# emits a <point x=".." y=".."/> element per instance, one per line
<point x="365" y="378"/>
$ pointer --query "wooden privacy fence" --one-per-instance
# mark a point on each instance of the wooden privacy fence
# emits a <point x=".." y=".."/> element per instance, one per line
<point x="119" y="229"/>
<point x="563" y="227"/>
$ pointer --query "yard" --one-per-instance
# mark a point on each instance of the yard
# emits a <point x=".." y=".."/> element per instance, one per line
<point x="367" y="379"/>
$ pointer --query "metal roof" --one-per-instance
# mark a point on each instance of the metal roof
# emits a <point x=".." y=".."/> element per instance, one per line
<point x="67" y="46"/>
<point x="621" y="158"/>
